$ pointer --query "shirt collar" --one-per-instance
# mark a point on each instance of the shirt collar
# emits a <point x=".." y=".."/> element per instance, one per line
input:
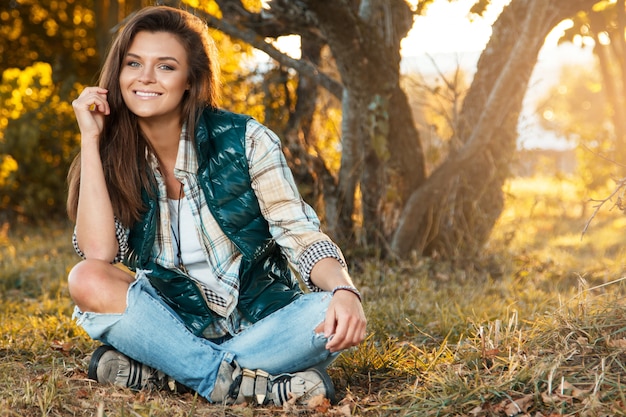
<point x="186" y="161"/>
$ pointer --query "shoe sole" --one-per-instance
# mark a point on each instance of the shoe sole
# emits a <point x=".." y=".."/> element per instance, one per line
<point x="92" y="372"/>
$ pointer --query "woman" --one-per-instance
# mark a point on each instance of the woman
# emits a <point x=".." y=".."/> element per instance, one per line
<point x="200" y="205"/>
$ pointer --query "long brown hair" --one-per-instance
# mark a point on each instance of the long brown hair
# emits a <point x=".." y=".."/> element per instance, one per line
<point x="122" y="145"/>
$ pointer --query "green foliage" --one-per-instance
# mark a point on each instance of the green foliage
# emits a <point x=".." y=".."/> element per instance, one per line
<point x="59" y="32"/>
<point x="36" y="145"/>
<point x="47" y="50"/>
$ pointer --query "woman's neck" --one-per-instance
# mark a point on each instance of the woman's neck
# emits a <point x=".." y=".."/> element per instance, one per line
<point x="163" y="137"/>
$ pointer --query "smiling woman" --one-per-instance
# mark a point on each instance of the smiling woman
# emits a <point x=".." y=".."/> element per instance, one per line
<point x="200" y="205"/>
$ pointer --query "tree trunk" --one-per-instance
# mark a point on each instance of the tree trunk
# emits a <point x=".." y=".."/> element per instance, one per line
<point x="453" y="212"/>
<point x="365" y="43"/>
<point x="299" y="138"/>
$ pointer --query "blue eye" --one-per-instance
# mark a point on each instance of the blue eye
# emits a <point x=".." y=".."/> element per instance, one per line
<point x="133" y="64"/>
<point x="166" y="67"/>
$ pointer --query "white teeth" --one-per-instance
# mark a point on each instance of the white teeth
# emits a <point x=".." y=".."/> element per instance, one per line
<point x="146" y="94"/>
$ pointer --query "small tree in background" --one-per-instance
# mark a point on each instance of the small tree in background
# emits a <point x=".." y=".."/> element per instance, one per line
<point x="36" y="145"/>
<point x="578" y="108"/>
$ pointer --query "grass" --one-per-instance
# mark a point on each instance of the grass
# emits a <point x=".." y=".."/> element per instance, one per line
<point x="536" y="326"/>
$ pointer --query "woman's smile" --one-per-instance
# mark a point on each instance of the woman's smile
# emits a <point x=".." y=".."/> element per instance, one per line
<point x="147" y="94"/>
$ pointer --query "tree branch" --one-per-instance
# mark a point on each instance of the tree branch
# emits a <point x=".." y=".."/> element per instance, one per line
<point x="257" y="41"/>
<point x="252" y="38"/>
<point x="285" y="17"/>
<point x="620" y="186"/>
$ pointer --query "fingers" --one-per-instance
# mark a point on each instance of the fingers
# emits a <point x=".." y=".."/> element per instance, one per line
<point x="90" y="108"/>
<point x="345" y="322"/>
<point x="92" y="99"/>
<point x="346" y="336"/>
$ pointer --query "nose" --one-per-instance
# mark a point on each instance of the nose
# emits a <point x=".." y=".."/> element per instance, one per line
<point x="147" y="75"/>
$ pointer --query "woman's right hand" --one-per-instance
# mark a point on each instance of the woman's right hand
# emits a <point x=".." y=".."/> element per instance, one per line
<point x="90" y="108"/>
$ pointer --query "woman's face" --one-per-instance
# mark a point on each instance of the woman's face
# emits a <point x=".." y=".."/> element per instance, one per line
<point x="154" y="77"/>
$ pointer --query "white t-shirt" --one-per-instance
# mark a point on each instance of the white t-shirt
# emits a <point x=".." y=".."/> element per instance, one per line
<point x="192" y="252"/>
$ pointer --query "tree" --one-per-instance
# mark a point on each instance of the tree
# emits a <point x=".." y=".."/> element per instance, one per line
<point x="452" y="211"/>
<point x="46" y="48"/>
<point x="36" y="145"/>
<point x="53" y="31"/>
<point x="365" y="42"/>
<point x="382" y="176"/>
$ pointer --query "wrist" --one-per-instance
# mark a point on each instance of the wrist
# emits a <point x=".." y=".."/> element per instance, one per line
<point x="349" y="288"/>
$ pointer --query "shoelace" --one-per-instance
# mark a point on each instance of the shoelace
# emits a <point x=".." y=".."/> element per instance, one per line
<point x="137" y="380"/>
<point x="135" y="375"/>
<point x="281" y="386"/>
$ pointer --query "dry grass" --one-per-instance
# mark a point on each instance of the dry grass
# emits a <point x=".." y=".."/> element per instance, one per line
<point x="536" y="327"/>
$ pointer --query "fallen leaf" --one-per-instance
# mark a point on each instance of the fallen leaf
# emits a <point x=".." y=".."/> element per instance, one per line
<point x="82" y="393"/>
<point x="521" y="405"/>
<point x="476" y="410"/>
<point x="490" y="353"/>
<point x="61" y="346"/>
<point x="319" y="404"/>
<point x="289" y="406"/>
<point x="555" y="398"/>
<point x="568" y="389"/>
<point x="349" y="398"/>
<point x="619" y="343"/>
<point x="344" y="410"/>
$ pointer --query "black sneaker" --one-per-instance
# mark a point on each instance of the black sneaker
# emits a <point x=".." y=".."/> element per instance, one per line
<point x="108" y="366"/>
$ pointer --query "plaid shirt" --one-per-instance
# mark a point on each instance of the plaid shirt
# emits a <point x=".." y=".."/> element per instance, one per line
<point x="293" y="224"/>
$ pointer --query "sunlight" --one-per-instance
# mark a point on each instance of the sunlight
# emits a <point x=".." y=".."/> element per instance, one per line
<point x="450" y="27"/>
<point x="431" y="32"/>
<point x="289" y="45"/>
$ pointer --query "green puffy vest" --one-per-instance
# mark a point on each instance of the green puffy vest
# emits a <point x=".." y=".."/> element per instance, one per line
<point x="266" y="281"/>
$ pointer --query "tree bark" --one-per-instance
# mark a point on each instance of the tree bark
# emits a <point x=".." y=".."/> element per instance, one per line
<point x="365" y="43"/>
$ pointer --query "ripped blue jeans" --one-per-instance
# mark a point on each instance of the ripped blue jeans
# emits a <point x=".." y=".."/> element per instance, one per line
<point x="151" y="333"/>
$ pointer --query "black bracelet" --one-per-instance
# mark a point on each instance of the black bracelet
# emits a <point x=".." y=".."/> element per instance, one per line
<point x="350" y="288"/>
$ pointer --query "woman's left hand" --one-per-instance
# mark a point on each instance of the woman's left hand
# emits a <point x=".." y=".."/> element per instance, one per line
<point x="345" y="322"/>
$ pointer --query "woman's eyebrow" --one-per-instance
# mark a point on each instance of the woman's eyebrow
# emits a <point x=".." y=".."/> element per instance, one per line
<point x="163" y="58"/>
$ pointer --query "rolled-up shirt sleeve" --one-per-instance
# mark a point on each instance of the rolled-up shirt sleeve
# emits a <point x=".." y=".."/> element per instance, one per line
<point x="317" y="251"/>
<point x="293" y="223"/>
<point x="121" y="233"/>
